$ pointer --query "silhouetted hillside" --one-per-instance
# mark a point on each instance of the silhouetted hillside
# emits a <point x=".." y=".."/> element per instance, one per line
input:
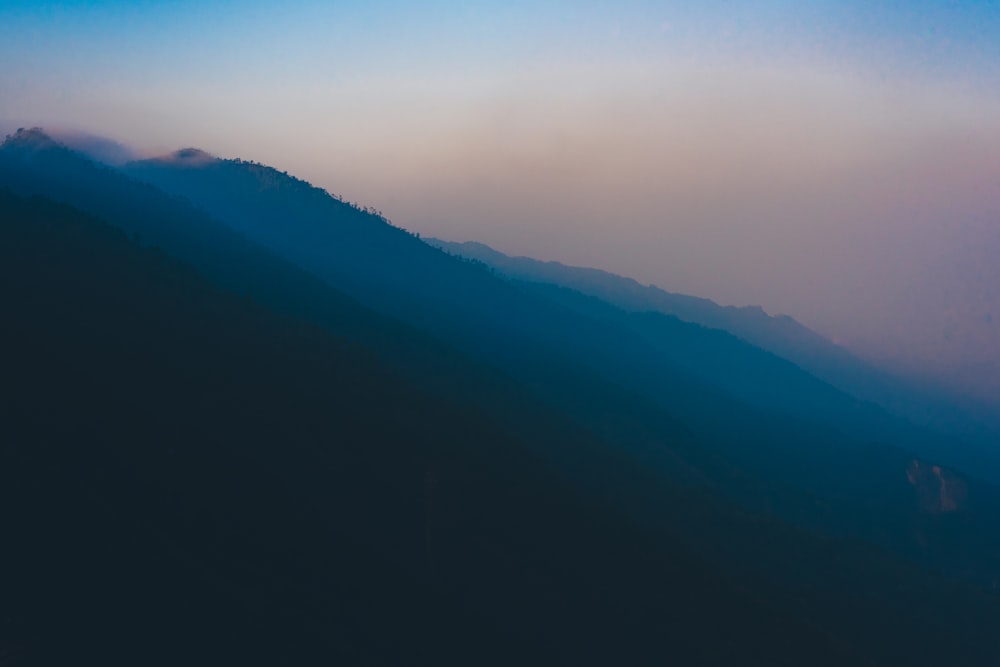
<point x="197" y="480"/>
<point x="530" y="336"/>
<point x="602" y="374"/>
<point x="609" y="412"/>
<point x="200" y="481"/>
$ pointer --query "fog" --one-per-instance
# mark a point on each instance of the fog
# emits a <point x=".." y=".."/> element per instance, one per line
<point x="870" y="212"/>
<point x="867" y="209"/>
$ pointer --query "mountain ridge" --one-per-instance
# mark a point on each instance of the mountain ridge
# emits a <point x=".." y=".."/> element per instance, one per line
<point x="604" y="373"/>
<point x="780" y="334"/>
<point x="242" y="525"/>
<point x="780" y="498"/>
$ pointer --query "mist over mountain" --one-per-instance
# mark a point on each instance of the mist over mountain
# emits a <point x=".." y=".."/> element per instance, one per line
<point x="280" y="410"/>
<point x="713" y="379"/>
<point x="100" y="149"/>
<point x="834" y="161"/>
<point x="780" y="334"/>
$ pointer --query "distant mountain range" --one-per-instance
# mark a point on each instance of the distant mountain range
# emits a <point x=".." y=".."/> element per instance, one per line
<point x="780" y="334"/>
<point x="273" y="427"/>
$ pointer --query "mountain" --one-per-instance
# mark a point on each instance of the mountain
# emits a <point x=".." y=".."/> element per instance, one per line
<point x="592" y="401"/>
<point x="215" y="469"/>
<point x="694" y="404"/>
<point x="226" y="484"/>
<point x="780" y="334"/>
<point x="394" y="272"/>
<point x="31" y="163"/>
<point x="553" y="347"/>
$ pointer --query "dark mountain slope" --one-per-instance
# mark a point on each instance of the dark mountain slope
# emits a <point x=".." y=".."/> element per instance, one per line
<point x="601" y="374"/>
<point x="31" y="163"/>
<point x="235" y="494"/>
<point x="493" y="320"/>
<point x="187" y="478"/>
<point x="692" y="403"/>
<point x="642" y="396"/>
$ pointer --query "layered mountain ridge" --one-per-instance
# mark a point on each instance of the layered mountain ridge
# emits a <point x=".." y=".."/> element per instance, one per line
<point x="677" y="448"/>
<point x="780" y="334"/>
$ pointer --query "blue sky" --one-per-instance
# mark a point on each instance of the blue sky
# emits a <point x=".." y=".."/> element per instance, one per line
<point x="210" y="39"/>
<point x="838" y="161"/>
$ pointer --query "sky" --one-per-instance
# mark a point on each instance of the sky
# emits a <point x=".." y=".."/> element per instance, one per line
<point x="835" y="161"/>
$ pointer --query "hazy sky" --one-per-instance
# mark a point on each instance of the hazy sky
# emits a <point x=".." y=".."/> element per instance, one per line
<point x="837" y="161"/>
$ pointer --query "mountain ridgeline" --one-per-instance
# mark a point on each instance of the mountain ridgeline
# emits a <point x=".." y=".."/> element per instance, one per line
<point x="780" y="335"/>
<point x="247" y="421"/>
